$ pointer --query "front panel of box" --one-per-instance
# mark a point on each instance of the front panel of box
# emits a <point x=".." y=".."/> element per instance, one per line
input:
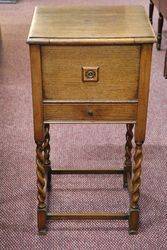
<point x="90" y="72"/>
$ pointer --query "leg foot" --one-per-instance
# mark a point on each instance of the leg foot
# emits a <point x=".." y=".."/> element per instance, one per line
<point x="133" y="221"/>
<point x="160" y="25"/>
<point x="41" y="216"/>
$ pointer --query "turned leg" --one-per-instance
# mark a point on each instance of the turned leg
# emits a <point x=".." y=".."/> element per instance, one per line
<point x="128" y="154"/>
<point x="135" y="192"/>
<point x="160" y="25"/>
<point x="41" y="186"/>
<point x="47" y="155"/>
<point x="151" y="10"/>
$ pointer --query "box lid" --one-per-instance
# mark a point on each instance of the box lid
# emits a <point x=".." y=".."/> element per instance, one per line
<point x="101" y="25"/>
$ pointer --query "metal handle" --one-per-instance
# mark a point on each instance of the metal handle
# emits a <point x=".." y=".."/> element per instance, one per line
<point x="90" y="74"/>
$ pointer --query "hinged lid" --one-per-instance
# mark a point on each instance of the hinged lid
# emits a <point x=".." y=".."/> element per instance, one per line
<point x="100" y="25"/>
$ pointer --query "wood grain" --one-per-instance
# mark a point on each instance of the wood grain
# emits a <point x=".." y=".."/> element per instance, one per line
<point x="123" y="23"/>
<point x="36" y="77"/>
<point x="90" y="112"/>
<point x="118" y="72"/>
<point x="118" y="40"/>
<point x="144" y="83"/>
<point x="140" y="130"/>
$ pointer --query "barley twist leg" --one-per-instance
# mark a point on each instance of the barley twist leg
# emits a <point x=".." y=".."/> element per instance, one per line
<point x="135" y="192"/>
<point x="41" y="186"/>
<point x="47" y="155"/>
<point x="128" y="154"/>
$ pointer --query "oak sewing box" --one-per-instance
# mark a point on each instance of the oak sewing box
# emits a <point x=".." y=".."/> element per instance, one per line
<point x="90" y="65"/>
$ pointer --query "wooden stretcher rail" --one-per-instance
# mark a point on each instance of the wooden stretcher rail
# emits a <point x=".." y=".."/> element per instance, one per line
<point x="88" y="216"/>
<point x="87" y="171"/>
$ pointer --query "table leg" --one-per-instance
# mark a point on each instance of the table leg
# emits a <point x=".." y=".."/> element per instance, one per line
<point x="47" y="155"/>
<point x="165" y="66"/>
<point x="128" y="154"/>
<point x="160" y="25"/>
<point x="135" y="192"/>
<point x="151" y="10"/>
<point x="41" y="186"/>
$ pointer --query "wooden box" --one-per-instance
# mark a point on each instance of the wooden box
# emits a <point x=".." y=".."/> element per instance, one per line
<point x="91" y="65"/>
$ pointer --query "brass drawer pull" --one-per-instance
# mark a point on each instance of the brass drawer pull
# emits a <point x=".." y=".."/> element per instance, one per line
<point x="90" y="112"/>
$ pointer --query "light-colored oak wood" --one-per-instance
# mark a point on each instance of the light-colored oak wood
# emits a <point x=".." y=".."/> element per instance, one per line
<point x="140" y="130"/>
<point x="144" y="83"/>
<point x="90" y="112"/>
<point x="115" y="24"/>
<point x="118" y="72"/>
<point x="36" y="77"/>
<point x="117" y="43"/>
<point x="88" y="41"/>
